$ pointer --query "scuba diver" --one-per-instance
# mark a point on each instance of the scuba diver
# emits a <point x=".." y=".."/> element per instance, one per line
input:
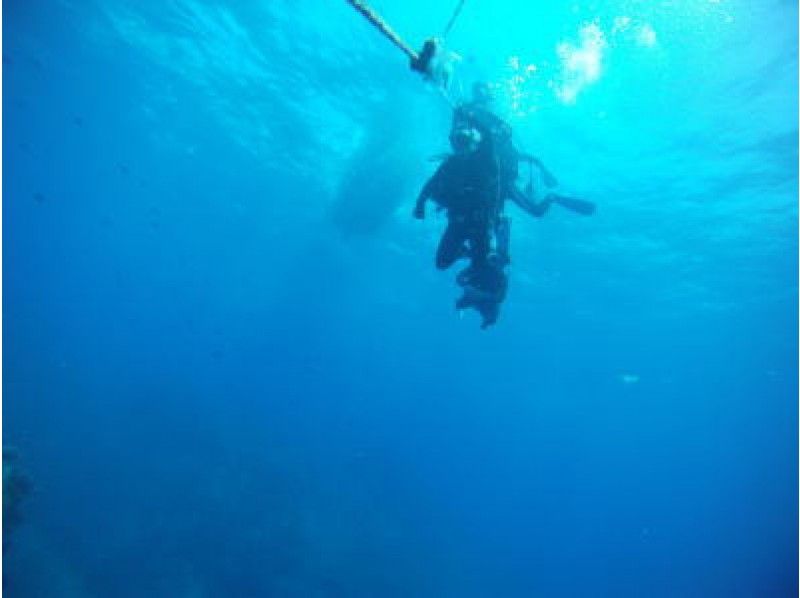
<point x="474" y="181"/>
<point x="466" y="185"/>
<point x="477" y="112"/>
<point x="484" y="288"/>
<point x="472" y="184"/>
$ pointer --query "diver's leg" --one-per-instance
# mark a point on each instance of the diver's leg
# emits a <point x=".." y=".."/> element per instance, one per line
<point x="451" y="247"/>
<point x="464" y="277"/>
<point x="502" y="235"/>
<point x="478" y="239"/>
<point x="496" y="291"/>
<point x="465" y="301"/>
<point x="489" y="312"/>
<point x="528" y="204"/>
<point x="479" y="235"/>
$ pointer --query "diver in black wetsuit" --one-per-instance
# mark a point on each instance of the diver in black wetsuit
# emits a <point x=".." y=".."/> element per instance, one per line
<point x="472" y="184"/>
<point x="477" y="113"/>
<point x="466" y="184"/>
<point x="484" y="288"/>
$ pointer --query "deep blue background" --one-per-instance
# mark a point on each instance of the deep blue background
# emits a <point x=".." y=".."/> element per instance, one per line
<point x="231" y="369"/>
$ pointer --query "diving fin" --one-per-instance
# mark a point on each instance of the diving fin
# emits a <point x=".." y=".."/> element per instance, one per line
<point x="581" y="206"/>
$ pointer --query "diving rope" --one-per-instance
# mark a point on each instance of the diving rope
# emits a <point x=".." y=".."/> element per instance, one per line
<point x="384" y="28"/>
<point x="452" y="20"/>
<point x="420" y="61"/>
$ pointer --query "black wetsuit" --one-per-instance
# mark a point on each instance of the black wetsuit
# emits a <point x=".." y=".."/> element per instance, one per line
<point x="484" y="289"/>
<point x="466" y="185"/>
<point x="507" y="156"/>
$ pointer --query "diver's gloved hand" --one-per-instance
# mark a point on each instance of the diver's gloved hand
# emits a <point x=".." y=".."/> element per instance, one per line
<point x="422" y="62"/>
<point x="419" y="212"/>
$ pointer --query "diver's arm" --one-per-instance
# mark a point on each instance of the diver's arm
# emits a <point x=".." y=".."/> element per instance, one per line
<point x="419" y="207"/>
<point x="537" y="209"/>
<point x="548" y="177"/>
<point x="427" y="192"/>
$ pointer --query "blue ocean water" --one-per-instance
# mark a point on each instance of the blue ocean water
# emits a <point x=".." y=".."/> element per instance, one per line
<point x="231" y="368"/>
